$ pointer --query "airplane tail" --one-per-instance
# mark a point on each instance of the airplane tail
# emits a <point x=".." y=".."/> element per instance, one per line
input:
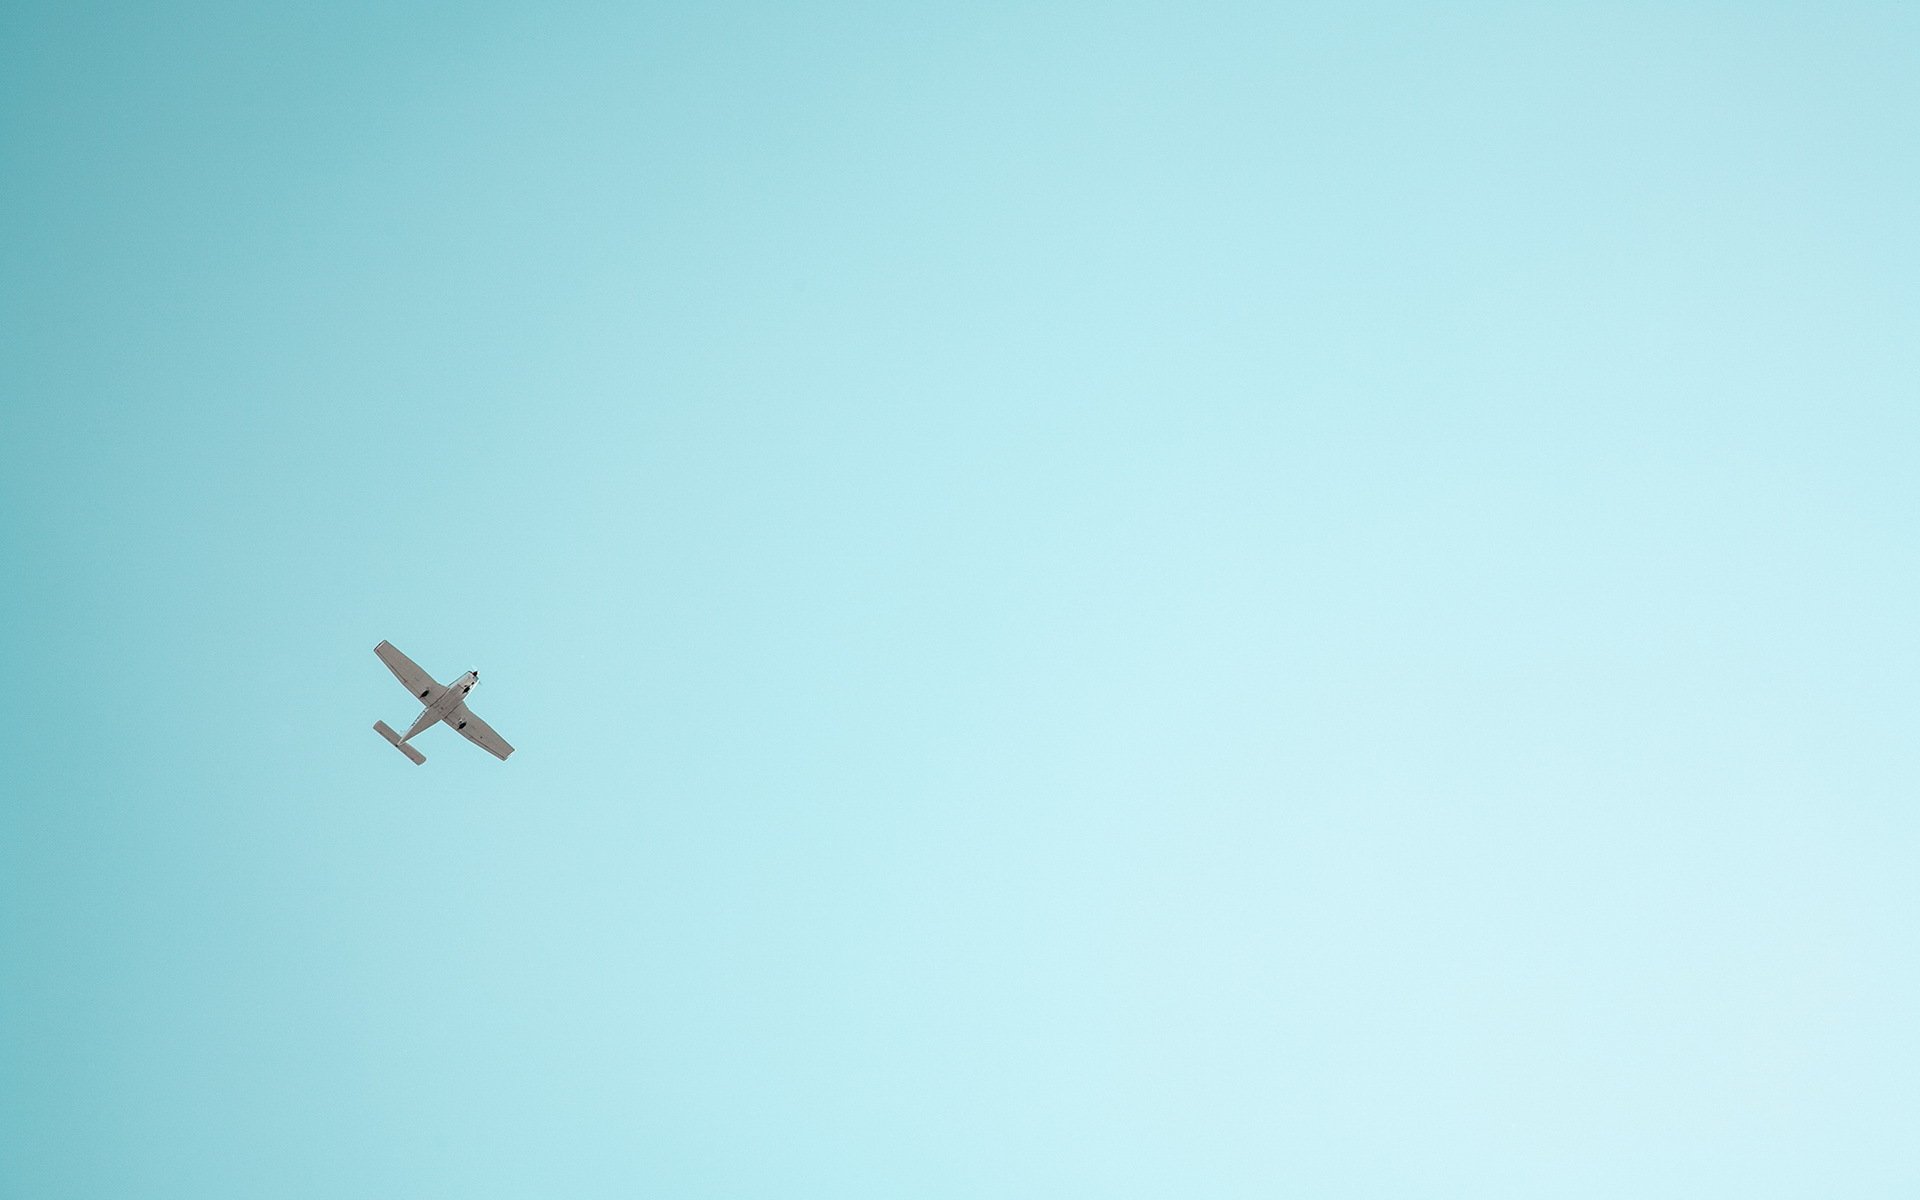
<point x="386" y="731"/>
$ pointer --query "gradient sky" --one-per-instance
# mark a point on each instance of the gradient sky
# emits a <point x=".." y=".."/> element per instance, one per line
<point x="1135" y="601"/>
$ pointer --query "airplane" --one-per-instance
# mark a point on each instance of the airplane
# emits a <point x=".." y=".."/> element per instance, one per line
<point x="447" y="704"/>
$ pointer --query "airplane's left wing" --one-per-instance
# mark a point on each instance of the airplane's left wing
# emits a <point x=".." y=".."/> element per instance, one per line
<point x="478" y="732"/>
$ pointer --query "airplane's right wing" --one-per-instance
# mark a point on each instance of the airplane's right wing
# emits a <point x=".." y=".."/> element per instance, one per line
<point x="409" y="674"/>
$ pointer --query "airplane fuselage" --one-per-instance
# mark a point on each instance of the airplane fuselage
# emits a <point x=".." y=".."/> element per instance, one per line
<point x="449" y="699"/>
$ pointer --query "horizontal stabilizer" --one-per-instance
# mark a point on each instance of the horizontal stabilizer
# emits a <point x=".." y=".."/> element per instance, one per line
<point x="386" y="731"/>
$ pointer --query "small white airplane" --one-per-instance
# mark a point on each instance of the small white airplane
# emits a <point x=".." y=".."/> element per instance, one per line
<point x="447" y="704"/>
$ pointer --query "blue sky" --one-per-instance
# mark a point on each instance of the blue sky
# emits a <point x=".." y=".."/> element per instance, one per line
<point x="1109" y="601"/>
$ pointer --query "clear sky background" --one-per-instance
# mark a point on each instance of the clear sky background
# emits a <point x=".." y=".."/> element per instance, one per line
<point x="1137" y="601"/>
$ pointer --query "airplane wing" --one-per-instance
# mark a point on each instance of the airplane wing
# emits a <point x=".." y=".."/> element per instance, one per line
<point x="409" y="673"/>
<point x="478" y="732"/>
